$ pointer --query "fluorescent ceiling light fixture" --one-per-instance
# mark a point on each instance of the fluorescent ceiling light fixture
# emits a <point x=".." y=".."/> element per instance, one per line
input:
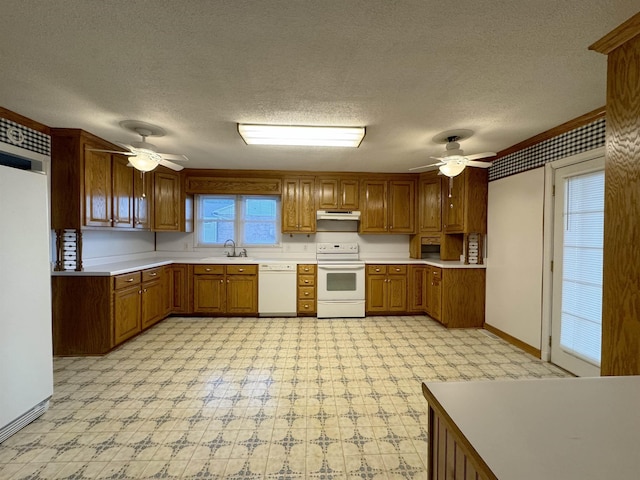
<point x="301" y="135"/>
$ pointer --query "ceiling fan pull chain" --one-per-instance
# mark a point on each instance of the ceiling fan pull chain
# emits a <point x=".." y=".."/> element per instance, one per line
<point x="450" y="185"/>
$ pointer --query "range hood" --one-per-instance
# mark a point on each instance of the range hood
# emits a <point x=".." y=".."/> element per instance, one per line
<point x="338" y="215"/>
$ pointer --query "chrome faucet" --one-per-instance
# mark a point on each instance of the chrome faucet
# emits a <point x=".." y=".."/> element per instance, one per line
<point x="233" y="244"/>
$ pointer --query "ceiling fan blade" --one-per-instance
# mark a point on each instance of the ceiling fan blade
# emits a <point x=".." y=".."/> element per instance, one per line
<point x="110" y="151"/>
<point x="427" y="166"/>
<point x="473" y="163"/>
<point x="171" y="165"/>
<point x="477" y="156"/>
<point x="174" y="156"/>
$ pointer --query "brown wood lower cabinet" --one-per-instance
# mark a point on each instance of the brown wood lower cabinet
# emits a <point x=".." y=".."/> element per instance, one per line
<point x="455" y="296"/>
<point x="307" y="290"/>
<point x="225" y="289"/>
<point x="386" y="288"/>
<point x="94" y="314"/>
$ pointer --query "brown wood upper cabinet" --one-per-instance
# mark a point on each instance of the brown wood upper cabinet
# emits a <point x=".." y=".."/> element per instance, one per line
<point x="166" y="201"/>
<point x="336" y="193"/>
<point x="388" y="206"/>
<point x="88" y="188"/>
<point x="430" y="203"/>
<point x="465" y="205"/>
<point x="298" y="205"/>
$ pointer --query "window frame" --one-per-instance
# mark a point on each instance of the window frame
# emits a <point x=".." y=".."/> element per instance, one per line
<point x="238" y="220"/>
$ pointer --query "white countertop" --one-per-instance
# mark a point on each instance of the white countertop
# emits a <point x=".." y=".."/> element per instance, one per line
<point x="569" y="429"/>
<point x="128" y="266"/>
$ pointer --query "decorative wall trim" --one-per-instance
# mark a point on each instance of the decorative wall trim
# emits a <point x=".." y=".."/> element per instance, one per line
<point x="20" y="136"/>
<point x="575" y="141"/>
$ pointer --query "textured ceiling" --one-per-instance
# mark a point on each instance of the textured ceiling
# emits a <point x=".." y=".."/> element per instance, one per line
<point x="405" y="69"/>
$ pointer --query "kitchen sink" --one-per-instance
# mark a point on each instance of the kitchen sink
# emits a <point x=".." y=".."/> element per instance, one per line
<point x="227" y="259"/>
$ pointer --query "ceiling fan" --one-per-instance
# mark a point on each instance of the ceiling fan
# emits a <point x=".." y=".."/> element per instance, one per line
<point x="143" y="155"/>
<point x="454" y="160"/>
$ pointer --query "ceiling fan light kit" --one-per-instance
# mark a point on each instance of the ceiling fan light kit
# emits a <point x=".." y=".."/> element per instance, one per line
<point x="454" y="160"/>
<point x="299" y="135"/>
<point x="145" y="161"/>
<point x="143" y="155"/>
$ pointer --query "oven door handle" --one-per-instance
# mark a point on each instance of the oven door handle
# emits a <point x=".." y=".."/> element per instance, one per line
<point x="341" y="267"/>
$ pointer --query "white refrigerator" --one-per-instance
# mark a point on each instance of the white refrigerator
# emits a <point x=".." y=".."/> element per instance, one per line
<point x="26" y="357"/>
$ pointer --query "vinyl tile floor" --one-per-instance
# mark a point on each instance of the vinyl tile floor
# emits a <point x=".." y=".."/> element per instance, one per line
<point x="244" y="398"/>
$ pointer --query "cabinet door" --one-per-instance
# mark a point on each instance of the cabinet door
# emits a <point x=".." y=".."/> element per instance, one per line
<point x="397" y="288"/>
<point x="126" y="321"/>
<point x="242" y="294"/>
<point x="402" y="211"/>
<point x="290" y="222"/>
<point x="208" y="293"/>
<point x="349" y="194"/>
<point x="166" y="201"/>
<point x="373" y="202"/>
<point x="298" y="205"/>
<point x="180" y="289"/>
<point x="430" y="204"/>
<point x="328" y="193"/>
<point x="97" y="188"/>
<point x="417" y="288"/>
<point x="454" y="205"/>
<point x="307" y="206"/>
<point x="142" y="199"/>
<point x="434" y="293"/>
<point x="122" y="178"/>
<point x="377" y="293"/>
<point x="152" y="303"/>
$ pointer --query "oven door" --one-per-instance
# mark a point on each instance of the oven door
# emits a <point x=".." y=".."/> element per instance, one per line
<point x="341" y="281"/>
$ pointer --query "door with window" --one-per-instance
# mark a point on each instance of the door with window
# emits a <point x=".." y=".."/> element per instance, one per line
<point x="576" y="322"/>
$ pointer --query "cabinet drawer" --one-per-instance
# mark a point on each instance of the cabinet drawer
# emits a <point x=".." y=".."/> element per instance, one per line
<point x="397" y="269"/>
<point x="306" y="280"/>
<point x="151" y="274"/>
<point x="242" y="269"/>
<point x="430" y="240"/>
<point x="208" y="269"/>
<point x="376" y="269"/>
<point x="306" y="306"/>
<point x="126" y="280"/>
<point x="436" y="273"/>
<point x="306" y="269"/>
<point x="306" y="293"/>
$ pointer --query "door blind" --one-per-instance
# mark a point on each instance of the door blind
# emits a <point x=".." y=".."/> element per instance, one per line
<point x="581" y="330"/>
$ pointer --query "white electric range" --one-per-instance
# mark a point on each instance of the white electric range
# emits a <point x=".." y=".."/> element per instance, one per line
<point x="341" y="280"/>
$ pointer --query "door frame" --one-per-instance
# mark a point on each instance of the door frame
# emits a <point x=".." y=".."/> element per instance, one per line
<point x="547" y="242"/>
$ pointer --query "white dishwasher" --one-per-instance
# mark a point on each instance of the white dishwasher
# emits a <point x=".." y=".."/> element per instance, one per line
<point x="277" y="290"/>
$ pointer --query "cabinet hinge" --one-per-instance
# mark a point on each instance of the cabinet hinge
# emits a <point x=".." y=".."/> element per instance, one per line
<point x="553" y="191"/>
<point x="550" y="340"/>
<point x="552" y="265"/>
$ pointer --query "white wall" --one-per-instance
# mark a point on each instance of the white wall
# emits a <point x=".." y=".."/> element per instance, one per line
<point x="101" y="246"/>
<point x="514" y="255"/>
<point x="371" y="246"/>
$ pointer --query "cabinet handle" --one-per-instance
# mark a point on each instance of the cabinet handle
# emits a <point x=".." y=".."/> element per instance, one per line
<point x="221" y="281"/>
<point x="397" y="269"/>
<point x="306" y="281"/>
<point x="144" y="290"/>
<point x="139" y="292"/>
<point x="306" y="294"/>
<point x="153" y="274"/>
<point x="130" y="280"/>
<point x="207" y="269"/>
<point x="306" y="269"/>
<point x="241" y="269"/>
<point x="377" y="269"/>
<point x="306" y="306"/>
